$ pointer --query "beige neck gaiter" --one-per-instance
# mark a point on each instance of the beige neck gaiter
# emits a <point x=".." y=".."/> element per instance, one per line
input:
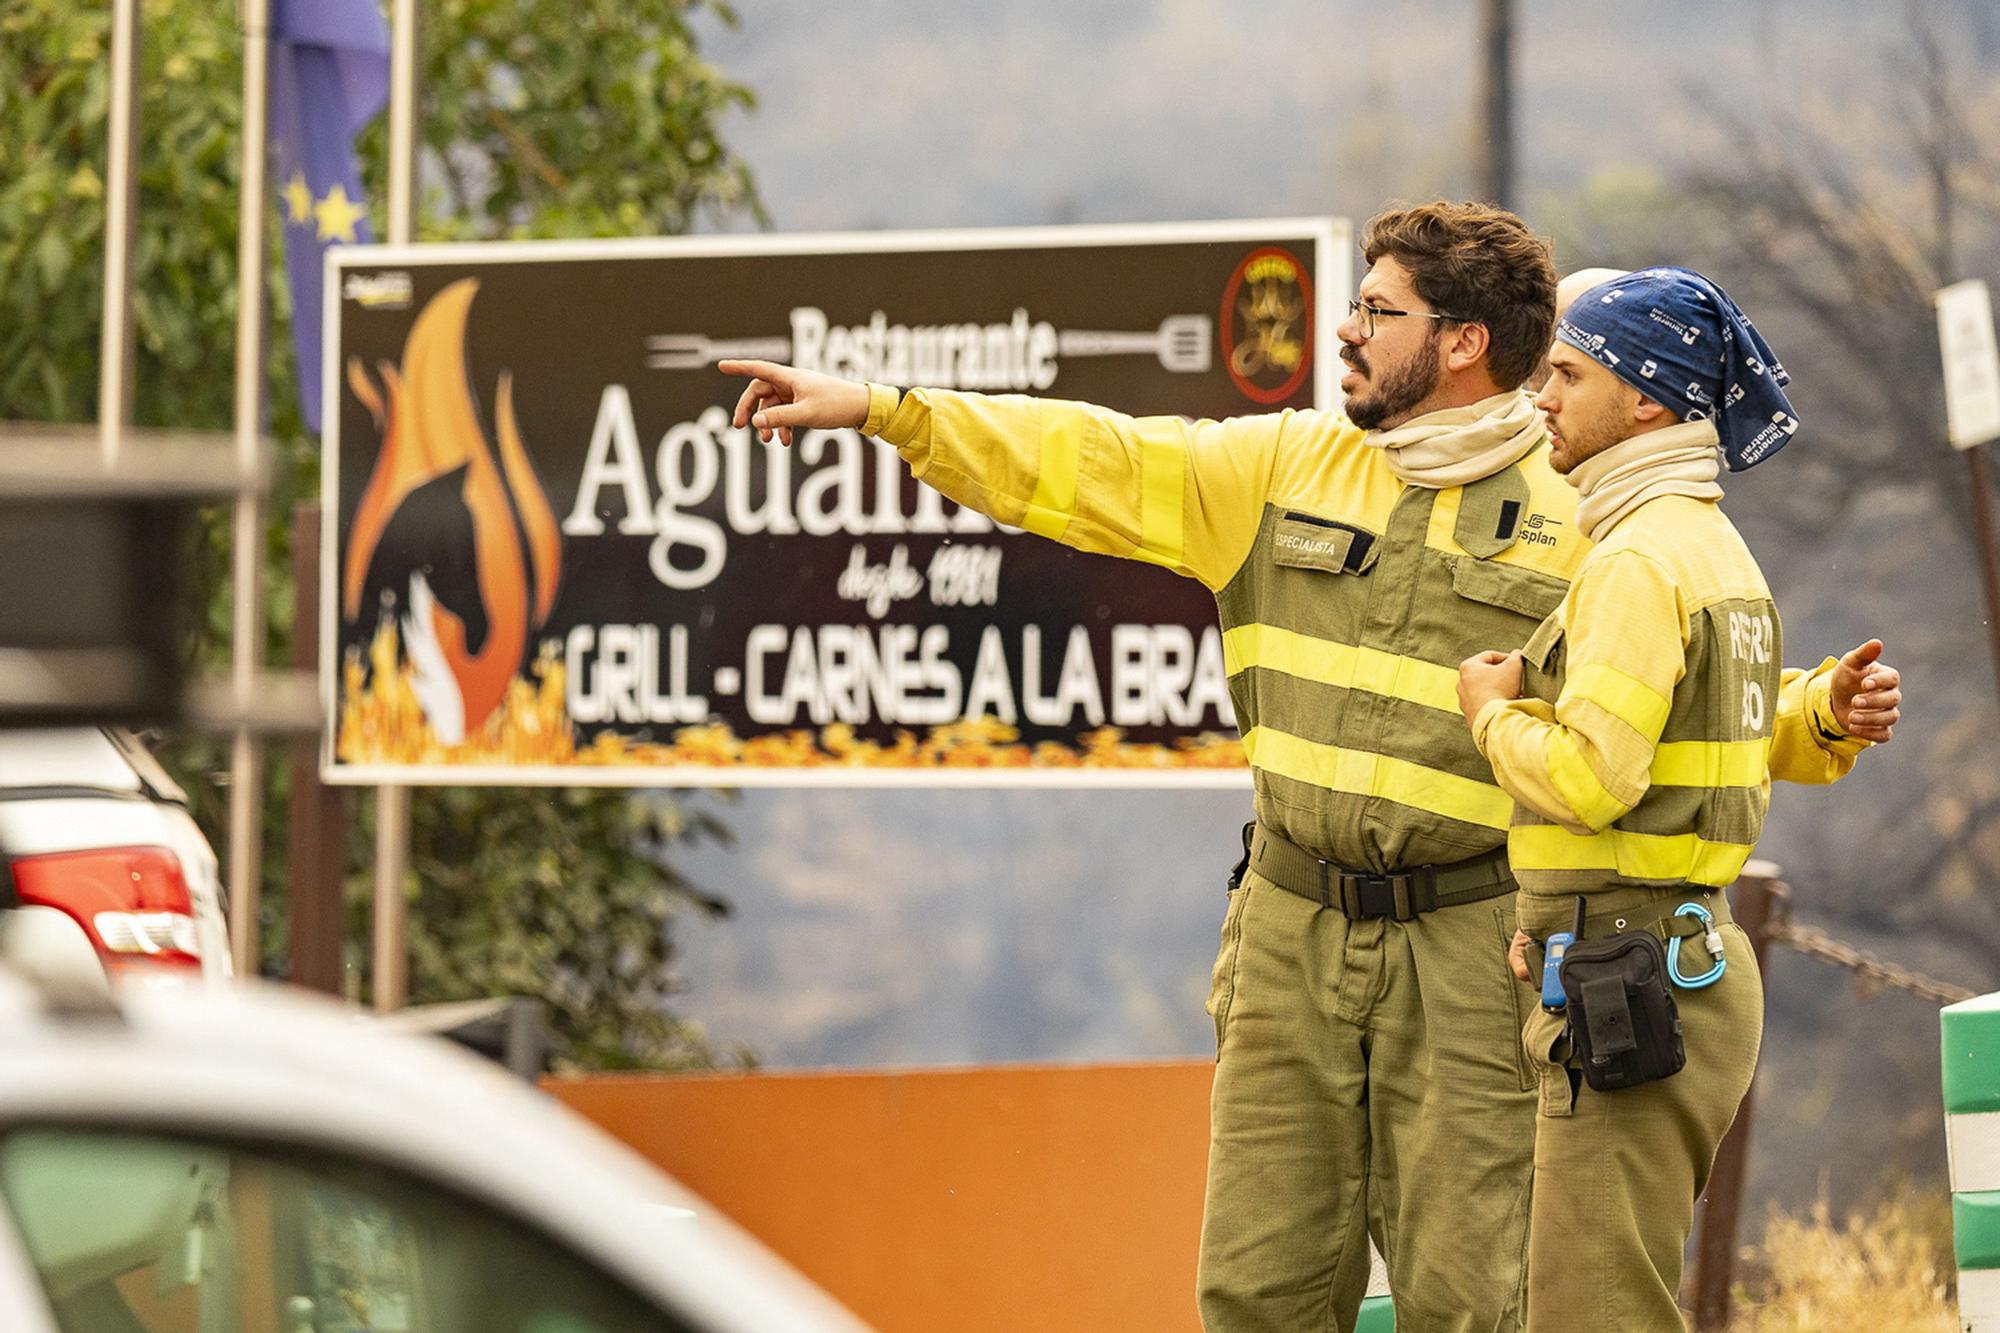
<point x="1678" y="460"/>
<point x="1460" y="445"/>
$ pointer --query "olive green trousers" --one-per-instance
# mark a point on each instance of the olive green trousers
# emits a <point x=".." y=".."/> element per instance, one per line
<point x="1617" y="1173"/>
<point x="1370" y="1082"/>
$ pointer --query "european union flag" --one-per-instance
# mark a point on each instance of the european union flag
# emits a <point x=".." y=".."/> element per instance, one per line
<point x="329" y="78"/>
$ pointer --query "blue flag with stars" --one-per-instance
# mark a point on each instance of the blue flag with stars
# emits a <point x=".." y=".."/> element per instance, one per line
<point x="329" y="78"/>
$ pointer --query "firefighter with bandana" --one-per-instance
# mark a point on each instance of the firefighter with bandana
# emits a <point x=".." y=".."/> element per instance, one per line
<point x="1637" y="732"/>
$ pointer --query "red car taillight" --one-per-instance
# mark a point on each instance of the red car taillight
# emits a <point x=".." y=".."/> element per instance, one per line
<point x="132" y="902"/>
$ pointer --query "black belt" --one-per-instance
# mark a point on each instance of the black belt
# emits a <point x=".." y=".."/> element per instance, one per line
<point x="1402" y="895"/>
<point x="1661" y="915"/>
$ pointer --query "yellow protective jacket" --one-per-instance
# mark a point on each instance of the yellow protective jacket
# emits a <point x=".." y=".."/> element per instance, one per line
<point x="1346" y="599"/>
<point x="1642" y="759"/>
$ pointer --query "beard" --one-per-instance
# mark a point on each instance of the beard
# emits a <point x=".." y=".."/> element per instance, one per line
<point x="1400" y="390"/>
<point x="1589" y="438"/>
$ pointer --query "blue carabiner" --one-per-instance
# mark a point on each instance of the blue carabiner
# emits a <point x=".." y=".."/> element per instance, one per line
<point x="1711" y="936"/>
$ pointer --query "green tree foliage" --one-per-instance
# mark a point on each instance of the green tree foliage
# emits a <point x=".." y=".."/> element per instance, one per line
<point x="54" y="94"/>
<point x="578" y="119"/>
<point x="565" y="894"/>
<point x="540" y="117"/>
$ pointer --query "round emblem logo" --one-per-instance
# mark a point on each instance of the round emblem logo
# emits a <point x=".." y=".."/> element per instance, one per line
<point x="1267" y="325"/>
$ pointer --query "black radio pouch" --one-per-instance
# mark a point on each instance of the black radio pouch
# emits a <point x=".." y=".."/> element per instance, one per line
<point x="1623" y="1023"/>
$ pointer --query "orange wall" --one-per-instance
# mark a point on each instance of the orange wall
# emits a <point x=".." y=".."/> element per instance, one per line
<point x="1044" y="1198"/>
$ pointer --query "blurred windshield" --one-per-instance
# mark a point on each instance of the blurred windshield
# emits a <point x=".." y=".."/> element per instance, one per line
<point x="135" y="1233"/>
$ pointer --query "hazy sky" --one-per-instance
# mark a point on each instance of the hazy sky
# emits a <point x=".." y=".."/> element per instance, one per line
<point x="894" y="113"/>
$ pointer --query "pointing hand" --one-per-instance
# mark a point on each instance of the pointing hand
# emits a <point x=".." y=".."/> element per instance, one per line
<point x="1867" y="694"/>
<point x="782" y="399"/>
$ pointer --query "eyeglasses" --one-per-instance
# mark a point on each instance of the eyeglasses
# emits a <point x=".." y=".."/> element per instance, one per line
<point x="1370" y="313"/>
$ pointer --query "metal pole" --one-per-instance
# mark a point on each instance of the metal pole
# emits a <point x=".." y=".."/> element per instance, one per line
<point x="1497" y="47"/>
<point x="403" y="51"/>
<point x="1760" y="900"/>
<point x="392" y="804"/>
<point x="246" y="785"/>
<point x="389" y="980"/>
<point x="121" y="195"/>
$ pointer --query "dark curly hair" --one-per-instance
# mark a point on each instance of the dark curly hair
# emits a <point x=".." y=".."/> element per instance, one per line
<point x="1483" y="265"/>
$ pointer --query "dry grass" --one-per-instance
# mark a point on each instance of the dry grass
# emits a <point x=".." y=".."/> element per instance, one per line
<point x="1887" y="1269"/>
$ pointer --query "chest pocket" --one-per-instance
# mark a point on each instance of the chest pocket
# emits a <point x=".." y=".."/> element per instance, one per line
<point x="1541" y="677"/>
<point x="1522" y="591"/>
<point x="1305" y="541"/>
<point x="1499" y="606"/>
<point x="1490" y="511"/>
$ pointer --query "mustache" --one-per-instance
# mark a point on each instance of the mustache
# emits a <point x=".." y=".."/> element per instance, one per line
<point x="1353" y="359"/>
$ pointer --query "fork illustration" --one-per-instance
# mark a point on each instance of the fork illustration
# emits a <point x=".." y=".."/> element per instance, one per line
<point x="1183" y="343"/>
<point x="696" y="351"/>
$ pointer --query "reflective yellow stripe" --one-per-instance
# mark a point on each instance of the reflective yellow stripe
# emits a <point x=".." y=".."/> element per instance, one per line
<point x="1410" y="678"/>
<point x="1339" y="664"/>
<point x="1590" y="799"/>
<point x="1054" y="501"/>
<point x="1677" y="856"/>
<point x="1162" y="476"/>
<point x="1360" y="773"/>
<point x="1711" y="763"/>
<point x="1630" y="700"/>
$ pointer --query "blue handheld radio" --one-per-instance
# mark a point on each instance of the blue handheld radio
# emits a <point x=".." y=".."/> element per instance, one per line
<point x="1553" y="950"/>
<point x="1552" y="983"/>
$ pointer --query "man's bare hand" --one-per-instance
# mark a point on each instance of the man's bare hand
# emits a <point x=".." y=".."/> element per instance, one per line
<point x="782" y="399"/>
<point x="1486" y="677"/>
<point x="1867" y="694"/>
<point x="1517" y="955"/>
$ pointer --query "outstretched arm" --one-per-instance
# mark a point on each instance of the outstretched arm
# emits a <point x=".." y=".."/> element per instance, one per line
<point x="1188" y="495"/>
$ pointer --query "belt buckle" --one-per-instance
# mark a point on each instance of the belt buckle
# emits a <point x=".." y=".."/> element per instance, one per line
<point x="1364" y="896"/>
<point x="1402" y="897"/>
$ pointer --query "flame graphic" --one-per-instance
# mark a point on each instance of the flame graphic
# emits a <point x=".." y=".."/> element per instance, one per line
<point x="430" y="428"/>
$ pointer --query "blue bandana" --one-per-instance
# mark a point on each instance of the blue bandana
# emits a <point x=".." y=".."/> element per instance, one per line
<point x="1677" y="338"/>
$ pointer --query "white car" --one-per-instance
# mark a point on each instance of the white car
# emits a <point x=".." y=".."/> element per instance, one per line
<point x="225" y="1159"/>
<point x="92" y="826"/>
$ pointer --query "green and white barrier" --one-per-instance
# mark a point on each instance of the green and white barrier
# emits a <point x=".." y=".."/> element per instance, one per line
<point x="1377" y="1314"/>
<point x="1971" y="1045"/>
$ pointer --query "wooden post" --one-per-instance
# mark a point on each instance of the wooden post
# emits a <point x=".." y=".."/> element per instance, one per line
<point x="1496" y="41"/>
<point x="1759" y="903"/>
<point x="1939" y="162"/>
<point x="316" y="854"/>
<point x="1989" y="547"/>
